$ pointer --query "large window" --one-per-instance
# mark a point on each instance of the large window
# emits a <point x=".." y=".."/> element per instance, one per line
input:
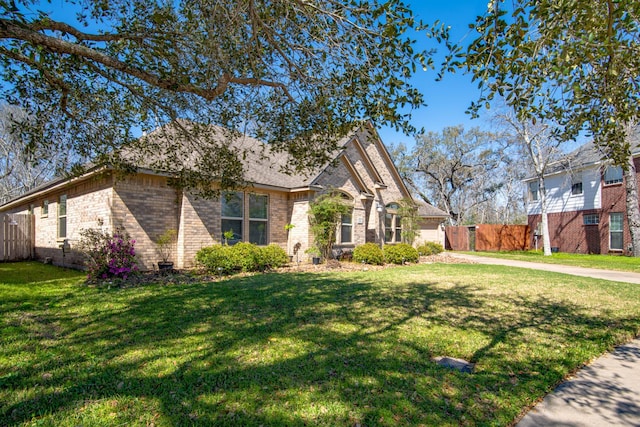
<point x="615" y="231"/>
<point x="613" y="175"/>
<point x="232" y="216"/>
<point x="258" y="218"/>
<point x="62" y="217"/>
<point x="392" y="224"/>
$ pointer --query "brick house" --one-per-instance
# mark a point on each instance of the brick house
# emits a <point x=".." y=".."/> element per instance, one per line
<point x="145" y="205"/>
<point x="586" y="204"/>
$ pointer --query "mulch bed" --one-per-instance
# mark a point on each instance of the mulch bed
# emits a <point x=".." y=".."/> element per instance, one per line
<point x="184" y="277"/>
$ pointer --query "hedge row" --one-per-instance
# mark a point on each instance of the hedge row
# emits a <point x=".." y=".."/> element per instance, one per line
<point x="245" y="257"/>
<point x="370" y="253"/>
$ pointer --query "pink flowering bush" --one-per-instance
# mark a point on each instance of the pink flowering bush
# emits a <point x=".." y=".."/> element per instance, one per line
<point x="108" y="256"/>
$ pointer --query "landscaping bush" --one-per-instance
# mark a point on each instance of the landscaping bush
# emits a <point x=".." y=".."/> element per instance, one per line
<point x="245" y="256"/>
<point x="399" y="253"/>
<point x="216" y="259"/>
<point x="242" y="256"/>
<point x="273" y="256"/>
<point x="369" y="253"/>
<point x="107" y="256"/>
<point x="430" y="248"/>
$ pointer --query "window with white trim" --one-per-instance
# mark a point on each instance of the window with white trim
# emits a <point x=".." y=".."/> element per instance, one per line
<point x="345" y="235"/>
<point x="346" y="228"/>
<point x="590" y="219"/>
<point x="62" y="217"/>
<point x="232" y="216"/>
<point x="258" y="218"/>
<point x="612" y="175"/>
<point x="616" y="222"/>
<point x="392" y="224"/>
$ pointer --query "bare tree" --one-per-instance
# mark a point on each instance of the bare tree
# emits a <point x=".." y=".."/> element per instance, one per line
<point x="454" y="170"/>
<point x="540" y="145"/>
<point x="21" y="169"/>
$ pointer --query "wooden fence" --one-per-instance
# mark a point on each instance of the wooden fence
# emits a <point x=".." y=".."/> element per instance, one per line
<point x="488" y="237"/>
<point x="16" y="237"/>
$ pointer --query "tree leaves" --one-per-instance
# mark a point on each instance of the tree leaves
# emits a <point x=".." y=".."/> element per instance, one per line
<point x="284" y="71"/>
<point x="572" y="62"/>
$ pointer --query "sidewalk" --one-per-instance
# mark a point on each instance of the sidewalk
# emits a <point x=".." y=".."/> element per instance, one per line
<point x="605" y="393"/>
<point x="616" y="276"/>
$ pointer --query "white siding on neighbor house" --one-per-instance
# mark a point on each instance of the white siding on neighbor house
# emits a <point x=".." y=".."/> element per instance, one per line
<point x="559" y="197"/>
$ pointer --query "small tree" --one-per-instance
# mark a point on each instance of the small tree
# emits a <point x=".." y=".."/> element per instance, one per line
<point x="324" y="217"/>
<point x="408" y="211"/>
<point x="164" y="244"/>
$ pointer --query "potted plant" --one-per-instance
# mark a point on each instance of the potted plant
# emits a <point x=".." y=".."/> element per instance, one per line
<point x="227" y="236"/>
<point x="164" y="246"/>
<point x="315" y="254"/>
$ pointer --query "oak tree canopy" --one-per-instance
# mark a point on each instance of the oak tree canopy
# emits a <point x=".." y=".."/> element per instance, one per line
<point x="297" y="74"/>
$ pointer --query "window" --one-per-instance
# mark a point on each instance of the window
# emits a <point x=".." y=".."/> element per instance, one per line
<point x="533" y="191"/>
<point x="62" y="217"/>
<point x="346" y="228"/>
<point x="232" y="212"/>
<point x="613" y="175"/>
<point x="576" y="188"/>
<point x="590" y="219"/>
<point x="392" y="224"/>
<point x="345" y="234"/>
<point x="615" y="231"/>
<point x="44" y="209"/>
<point x="258" y="218"/>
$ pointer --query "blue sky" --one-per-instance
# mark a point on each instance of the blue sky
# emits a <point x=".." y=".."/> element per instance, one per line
<point x="448" y="99"/>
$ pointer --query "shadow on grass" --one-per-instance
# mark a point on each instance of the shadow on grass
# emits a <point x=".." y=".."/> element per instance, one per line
<point x="292" y="349"/>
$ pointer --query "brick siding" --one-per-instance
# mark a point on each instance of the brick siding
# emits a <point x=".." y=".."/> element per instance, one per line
<point x="568" y="232"/>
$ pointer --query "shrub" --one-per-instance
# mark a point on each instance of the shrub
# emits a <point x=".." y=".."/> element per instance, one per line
<point x="273" y="256"/>
<point x="245" y="256"/>
<point x="399" y="253"/>
<point x="107" y="256"/>
<point x="215" y="259"/>
<point x="430" y="248"/>
<point x="241" y="257"/>
<point x="369" y="253"/>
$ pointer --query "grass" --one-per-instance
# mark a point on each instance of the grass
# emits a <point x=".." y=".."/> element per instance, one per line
<point x="300" y="349"/>
<point x="605" y="262"/>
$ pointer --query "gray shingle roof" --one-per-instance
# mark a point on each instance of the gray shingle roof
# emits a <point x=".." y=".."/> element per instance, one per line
<point x="589" y="154"/>
<point x="261" y="164"/>
<point x="426" y="210"/>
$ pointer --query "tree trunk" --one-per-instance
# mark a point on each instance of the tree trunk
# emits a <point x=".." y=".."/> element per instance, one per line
<point x="633" y="209"/>
<point x="546" y="240"/>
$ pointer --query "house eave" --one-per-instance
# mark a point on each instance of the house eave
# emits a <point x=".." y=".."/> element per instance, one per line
<point x="53" y="185"/>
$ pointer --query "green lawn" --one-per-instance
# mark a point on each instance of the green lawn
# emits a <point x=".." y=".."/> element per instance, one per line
<point x="606" y="262"/>
<point x="299" y="349"/>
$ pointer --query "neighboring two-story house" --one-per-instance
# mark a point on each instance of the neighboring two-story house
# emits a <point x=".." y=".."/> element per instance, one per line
<point x="146" y="205"/>
<point x="586" y="204"/>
